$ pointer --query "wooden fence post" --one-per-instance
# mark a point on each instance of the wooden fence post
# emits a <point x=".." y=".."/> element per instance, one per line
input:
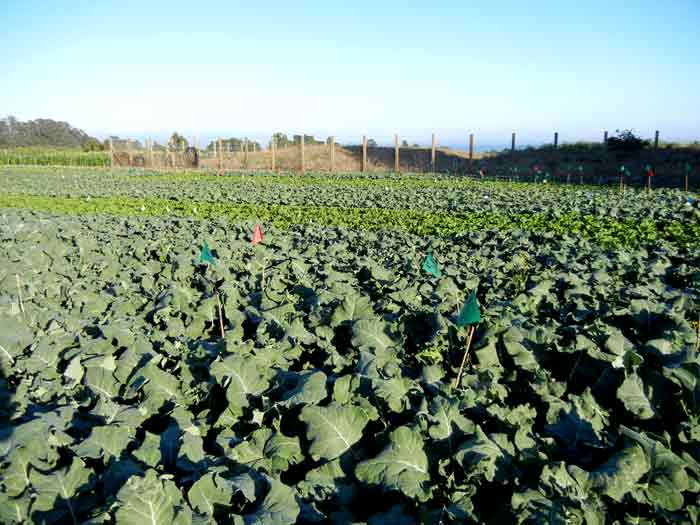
<point x="471" y="151"/>
<point x="301" y="144"/>
<point x="245" y="153"/>
<point x="397" y="163"/>
<point x="432" y="155"/>
<point x="273" y="147"/>
<point x="332" y="153"/>
<point x="364" y="153"/>
<point x="111" y="153"/>
<point x="150" y="150"/>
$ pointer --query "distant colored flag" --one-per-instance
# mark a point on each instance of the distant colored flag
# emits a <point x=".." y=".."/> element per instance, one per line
<point x="624" y="171"/>
<point x="430" y="265"/>
<point x="648" y="170"/>
<point x="470" y="313"/>
<point x="206" y="256"/>
<point x="257" y="235"/>
<point x="688" y="168"/>
<point x="580" y="168"/>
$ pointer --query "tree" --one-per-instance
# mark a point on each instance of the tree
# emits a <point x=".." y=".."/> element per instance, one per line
<point x="626" y="140"/>
<point x="371" y="143"/>
<point x="93" y="145"/>
<point x="281" y="140"/>
<point x="40" y="132"/>
<point x="404" y="143"/>
<point x="177" y="142"/>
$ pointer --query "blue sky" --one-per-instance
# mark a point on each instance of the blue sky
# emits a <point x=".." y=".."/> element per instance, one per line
<point x="323" y="67"/>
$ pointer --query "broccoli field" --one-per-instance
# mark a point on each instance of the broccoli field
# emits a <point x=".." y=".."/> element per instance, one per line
<point x="331" y="396"/>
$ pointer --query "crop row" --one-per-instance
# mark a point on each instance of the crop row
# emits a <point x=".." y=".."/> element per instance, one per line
<point x="605" y="231"/>
<point x="439" y="194"/>
<point x="53" y="157"/>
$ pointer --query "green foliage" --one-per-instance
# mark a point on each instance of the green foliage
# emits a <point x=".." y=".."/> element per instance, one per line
<point x="93" y="145"/>
<point x="41" y="132"/>
<point x="330" y="398"/>
<point x="627" y="141"/>
<point x="53" y="157"/>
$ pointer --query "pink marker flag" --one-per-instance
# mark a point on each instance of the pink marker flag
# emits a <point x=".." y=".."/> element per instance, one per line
<point x="257" y="235"/>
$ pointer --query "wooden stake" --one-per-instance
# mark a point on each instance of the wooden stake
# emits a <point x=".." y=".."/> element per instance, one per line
<point x="273" y="147"/>
<point x="686" y="184"/>
<point x="432" y="154"/>
<point x="472" y="328"/>
<point x="301" y="145"/>
<point x="111" y="153"/>
<point x="19" y="293"/>
<point x="471" y="151"/>
<point x="332" y="153"/>
<point x="364" y="153"/>
<point x="512" y="146"/>
<point x="221" y="155"/>
<point x="221" y="317"/>
<point x="397" y="162"/>
<point x="245" y="153"/>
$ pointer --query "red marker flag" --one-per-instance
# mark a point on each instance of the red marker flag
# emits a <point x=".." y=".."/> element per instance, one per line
<point x="257" y="235"/>
<point x="649" y="170"/>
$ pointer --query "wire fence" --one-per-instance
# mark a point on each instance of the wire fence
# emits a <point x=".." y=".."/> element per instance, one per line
<point x="590" y="163"/>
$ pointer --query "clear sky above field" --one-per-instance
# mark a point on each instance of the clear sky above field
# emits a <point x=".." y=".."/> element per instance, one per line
<point x="325" y="67"/>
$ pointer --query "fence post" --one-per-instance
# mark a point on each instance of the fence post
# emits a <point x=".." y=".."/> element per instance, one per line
<point x="364" y="153"/>
<point x="397" y="163"/>
<point x="556" y="139"/>
<point x="512" y="145"/>
<point x="332" y="153"/>
<point x="150" y="150"/>
<point x="273" y="147"/>
<point x="432" y="154"/>
<point x="301" y="145"/>
<point x="245" y="153"/>
<point x="111" y="153"/>
<point x="471" y="151"/>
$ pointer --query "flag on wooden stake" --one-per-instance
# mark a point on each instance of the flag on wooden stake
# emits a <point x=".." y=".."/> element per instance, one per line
<point x="206" y="256"/>
<point x="470" y="313"/>
<point x="257" y="235"/>
<point x="649" y="171"/>
<point x="430" y="265"/>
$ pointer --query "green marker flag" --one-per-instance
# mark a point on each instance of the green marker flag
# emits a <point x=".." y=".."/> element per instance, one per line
<point x="688" y="168"/>
<point x="624" y="171"/>
<point x="206" y="256"/>
<point x="470" y="313"/>
<point x="430" y="265"/>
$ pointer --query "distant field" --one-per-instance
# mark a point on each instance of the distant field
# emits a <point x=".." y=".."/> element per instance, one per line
<point x="53" y="157"/>
<point x="581" y="164"/>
